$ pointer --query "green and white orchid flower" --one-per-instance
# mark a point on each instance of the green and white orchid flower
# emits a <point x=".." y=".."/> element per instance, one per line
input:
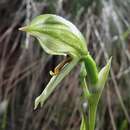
<point x="58" y="36"/>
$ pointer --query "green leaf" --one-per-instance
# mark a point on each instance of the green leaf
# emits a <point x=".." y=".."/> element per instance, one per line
<point x="57" y="35"/>
<point x="55" y="80"/>
<point x="82" y="80"/>
<point x="103" y="75"/>
<point x="83" y="125"/>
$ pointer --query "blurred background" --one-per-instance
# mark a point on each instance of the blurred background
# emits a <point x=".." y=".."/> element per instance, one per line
<point x="24" y="67"/>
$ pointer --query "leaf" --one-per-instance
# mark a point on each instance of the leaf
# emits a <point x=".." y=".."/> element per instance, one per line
<point x="103" y="75"/>
<point x="82" y="80"/>
<point x="55" y="80"/>
<point x="83" y="125"/>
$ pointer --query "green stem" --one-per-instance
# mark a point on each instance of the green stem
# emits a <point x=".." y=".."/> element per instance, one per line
<point x="93" y="103"/>
<point x="92" y="98"/>
<point x="91" y="69"/>
<point x="92" y="116"/>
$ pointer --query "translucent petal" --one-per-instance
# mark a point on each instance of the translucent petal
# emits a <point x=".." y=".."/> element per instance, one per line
<point x="62" y="36"/>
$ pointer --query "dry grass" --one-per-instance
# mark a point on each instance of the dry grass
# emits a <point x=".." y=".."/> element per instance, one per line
<point x="24" y="67"/>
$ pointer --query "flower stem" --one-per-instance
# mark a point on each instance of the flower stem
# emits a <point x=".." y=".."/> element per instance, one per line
<point x="92" y="115"/>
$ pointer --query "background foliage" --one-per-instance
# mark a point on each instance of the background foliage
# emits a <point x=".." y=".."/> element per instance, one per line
<point x="24" y="67"/>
